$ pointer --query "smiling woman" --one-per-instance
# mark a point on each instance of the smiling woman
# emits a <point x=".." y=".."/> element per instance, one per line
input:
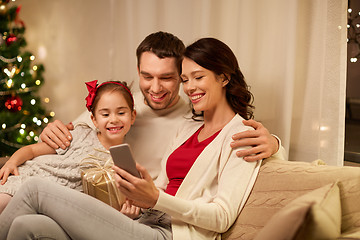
<point x="213" y="68"/>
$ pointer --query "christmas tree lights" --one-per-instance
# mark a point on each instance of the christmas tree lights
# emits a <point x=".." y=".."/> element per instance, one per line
<point x="22" y="115"/>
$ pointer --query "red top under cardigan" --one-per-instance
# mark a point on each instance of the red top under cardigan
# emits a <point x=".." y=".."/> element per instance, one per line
<point x="182" y="159"/>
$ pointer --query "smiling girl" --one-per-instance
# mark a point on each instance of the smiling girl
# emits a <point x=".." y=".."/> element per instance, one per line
<point x="112" y="108"/>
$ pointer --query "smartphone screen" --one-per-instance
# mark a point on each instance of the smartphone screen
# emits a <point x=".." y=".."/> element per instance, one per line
<point x="123" y="158"/>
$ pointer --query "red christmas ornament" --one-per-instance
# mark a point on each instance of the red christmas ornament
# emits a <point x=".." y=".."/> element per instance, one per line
<point x="14" y="103"/>
<point x="11" y="39"/>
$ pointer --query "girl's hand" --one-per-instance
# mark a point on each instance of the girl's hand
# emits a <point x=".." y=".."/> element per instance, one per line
<point x="9" y="168"/>
<point x="130" y="210"/>
<point x="142" y="192"/>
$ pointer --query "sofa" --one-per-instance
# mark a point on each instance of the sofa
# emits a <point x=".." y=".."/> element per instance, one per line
<point x="300" y="200"/>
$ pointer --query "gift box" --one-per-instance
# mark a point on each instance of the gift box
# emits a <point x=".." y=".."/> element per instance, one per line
<point x="99" y="182"/>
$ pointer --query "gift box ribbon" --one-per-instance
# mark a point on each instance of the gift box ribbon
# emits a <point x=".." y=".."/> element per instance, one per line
<point x="96" y="173"/>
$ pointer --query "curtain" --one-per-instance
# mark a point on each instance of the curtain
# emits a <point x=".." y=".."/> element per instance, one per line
<point x="292" y="53"/>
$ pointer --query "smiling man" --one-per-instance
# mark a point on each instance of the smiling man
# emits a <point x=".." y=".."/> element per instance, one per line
<point x="159" y="80"/>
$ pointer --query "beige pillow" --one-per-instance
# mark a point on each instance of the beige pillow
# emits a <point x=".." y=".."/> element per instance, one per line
<point x="315" y="215"/>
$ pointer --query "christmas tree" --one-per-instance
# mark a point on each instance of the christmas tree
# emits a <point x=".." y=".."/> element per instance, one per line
<point x="22" y="115"/>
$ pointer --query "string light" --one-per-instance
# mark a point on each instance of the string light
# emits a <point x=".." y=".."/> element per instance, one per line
<point x="353" y="41"/>
<point x="3" y="126"/>
<point x="11" y="72"/>
<point x="9" y="83"/>
<point x="38" y="82"/>
<point x="32" y="101"/>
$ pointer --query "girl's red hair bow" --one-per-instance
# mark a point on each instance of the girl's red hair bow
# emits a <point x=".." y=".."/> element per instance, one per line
<point x="92" y="87"/>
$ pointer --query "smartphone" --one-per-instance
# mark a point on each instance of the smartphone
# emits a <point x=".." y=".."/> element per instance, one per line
<point x="123" y="158"/>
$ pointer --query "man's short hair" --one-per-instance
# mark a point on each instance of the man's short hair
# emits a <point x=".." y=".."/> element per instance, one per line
<point x="163" y="45"/>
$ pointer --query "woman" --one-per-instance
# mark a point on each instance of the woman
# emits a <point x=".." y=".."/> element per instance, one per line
<point x="201" y="189"/>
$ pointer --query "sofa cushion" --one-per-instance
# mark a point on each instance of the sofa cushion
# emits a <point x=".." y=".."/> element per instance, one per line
<point x="279" y="182"/>
<point x="315" y="215"/>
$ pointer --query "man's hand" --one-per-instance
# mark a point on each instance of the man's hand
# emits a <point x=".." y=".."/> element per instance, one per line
<point x="263" y="143"/>
<point x="57" y="134"/>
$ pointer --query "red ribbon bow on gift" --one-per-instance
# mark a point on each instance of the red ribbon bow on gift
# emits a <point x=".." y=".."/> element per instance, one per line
<point x="92" y="87"/>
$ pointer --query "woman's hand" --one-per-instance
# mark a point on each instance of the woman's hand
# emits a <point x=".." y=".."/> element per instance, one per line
<point x="9" y="168"/>
<point x="141" y="192"/>
<point x="130" y="210"/>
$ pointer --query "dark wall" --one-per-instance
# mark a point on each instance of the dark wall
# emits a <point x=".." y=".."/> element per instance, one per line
<point x="353" y="69"/>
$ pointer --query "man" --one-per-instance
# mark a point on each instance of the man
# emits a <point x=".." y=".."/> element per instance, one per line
<point x="160" y="109"/>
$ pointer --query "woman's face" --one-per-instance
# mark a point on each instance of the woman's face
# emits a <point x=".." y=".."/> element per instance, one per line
<point x="204" y="88"/>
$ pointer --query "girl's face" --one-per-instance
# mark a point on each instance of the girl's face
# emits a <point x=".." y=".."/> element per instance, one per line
<point x="113" y="117"/>
<point x="205" y="89"/>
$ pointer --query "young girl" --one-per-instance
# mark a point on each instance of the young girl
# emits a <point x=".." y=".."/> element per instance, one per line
<point x="112" y="108"/>
<point x="200" y="191"/>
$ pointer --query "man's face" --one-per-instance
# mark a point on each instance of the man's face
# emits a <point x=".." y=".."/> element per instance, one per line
<point x="159" y="81"/>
